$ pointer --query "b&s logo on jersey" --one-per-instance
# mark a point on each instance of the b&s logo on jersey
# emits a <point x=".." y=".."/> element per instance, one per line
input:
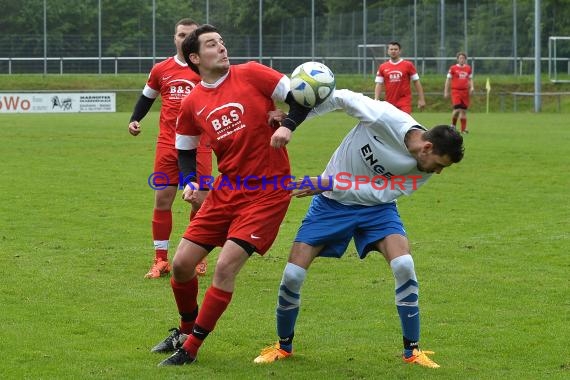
<point x="179" y="88"/>
<point x="395" y="76"/>
<point x="226" y="119"/>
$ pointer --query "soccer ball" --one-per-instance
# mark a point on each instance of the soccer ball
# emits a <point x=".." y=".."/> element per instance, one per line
<point x="312" y="83"/>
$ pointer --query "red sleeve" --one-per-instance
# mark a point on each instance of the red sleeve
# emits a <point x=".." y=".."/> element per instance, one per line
<point x="264" y="78"/>
<point x="412" y="68"/>
<point x="187" y="128"/>
<point x="154" y="77"/>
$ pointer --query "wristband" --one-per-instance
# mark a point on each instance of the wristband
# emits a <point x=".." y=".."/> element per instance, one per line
<point x="289" y="124"/>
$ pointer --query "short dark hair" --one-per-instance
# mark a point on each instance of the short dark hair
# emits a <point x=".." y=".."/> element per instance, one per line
<point x="191" y="45"/>
<point x="446" y="141"/>
<point x="395" y="43"/>
<point x="186" y="22"/>
<point x="461" y="53"/>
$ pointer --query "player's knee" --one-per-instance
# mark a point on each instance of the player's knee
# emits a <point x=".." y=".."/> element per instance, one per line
<point x="182" y="268"/>
<point x="181" y="273"/>
<point x="403" y="267"/>
<point x="164" y="198"/>
<point x="293" y="277"/>
<point x="290" y="288"/>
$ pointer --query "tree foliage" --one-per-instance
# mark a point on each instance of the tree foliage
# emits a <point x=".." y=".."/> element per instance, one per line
<point x="127" y="25"/>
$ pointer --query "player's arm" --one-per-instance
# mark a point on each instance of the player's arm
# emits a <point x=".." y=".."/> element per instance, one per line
<point x="355" y="104"/>
<point x="192" y="192"/>
<point x="187" y="164"/>
<point x="471" y="85"/>
<point x="296" y="115"/>
<point x="378" y="90"/>
<point x="186" y="144"/>
<point x="420" y="91"/>
<point x="289" y="122"/>
<point x="142" y="107"/>
<point x="186" y="147"/>
<point x="446" y="87"/>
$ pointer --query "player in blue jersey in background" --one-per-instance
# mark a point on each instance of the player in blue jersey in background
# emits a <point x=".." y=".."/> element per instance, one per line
<point x="386" y="143"/>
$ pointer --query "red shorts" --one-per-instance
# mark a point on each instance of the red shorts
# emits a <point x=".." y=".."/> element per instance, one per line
<point x="406" y="107"/>
<point x="253" y="216"/>
<point x="166" y="161"/>
<point x="460" y="98"/>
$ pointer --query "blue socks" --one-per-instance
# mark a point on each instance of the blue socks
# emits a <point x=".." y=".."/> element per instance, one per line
<point x="407" y="301"/>
<point x="288" y="303"/>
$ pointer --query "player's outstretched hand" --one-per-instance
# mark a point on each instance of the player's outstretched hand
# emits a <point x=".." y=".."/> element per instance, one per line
<point x="309" y="186"/>
<point x="281" y="137"/>
<point x="134" y="128"/>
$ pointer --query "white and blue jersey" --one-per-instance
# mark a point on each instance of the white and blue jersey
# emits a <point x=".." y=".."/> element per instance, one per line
<point x="373" y="149"/>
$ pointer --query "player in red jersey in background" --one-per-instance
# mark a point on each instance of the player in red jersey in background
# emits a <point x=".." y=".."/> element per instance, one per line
<point x="172" y="80"/>
<point x="395" y="75"/>
<point x="460" y="76"/>
<point x="231" y="106"/>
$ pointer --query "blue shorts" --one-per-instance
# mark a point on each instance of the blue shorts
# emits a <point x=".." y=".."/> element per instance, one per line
<point x="332" y="224"/>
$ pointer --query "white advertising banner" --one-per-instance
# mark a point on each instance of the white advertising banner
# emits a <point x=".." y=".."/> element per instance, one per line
<point x="57" y="102"/>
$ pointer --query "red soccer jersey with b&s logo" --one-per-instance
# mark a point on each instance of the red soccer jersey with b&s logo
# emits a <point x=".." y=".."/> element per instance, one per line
<point x="173" y="80"/>
<point x="460" y="76"/>
<point x="396" y="78"/>
<point x="233" y="113"/>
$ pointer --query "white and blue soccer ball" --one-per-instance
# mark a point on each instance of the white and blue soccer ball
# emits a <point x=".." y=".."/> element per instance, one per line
<point x="312" y="83"/>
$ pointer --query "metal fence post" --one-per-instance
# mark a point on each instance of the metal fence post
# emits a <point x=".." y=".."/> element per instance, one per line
<point x="515" y="102"/>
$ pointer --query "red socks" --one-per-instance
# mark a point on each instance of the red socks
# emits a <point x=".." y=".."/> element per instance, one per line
<point x="186" y="294"/>
<point x="161" y="229"/>
<point x="213" y="306"/>
<point x="463" y="124"/>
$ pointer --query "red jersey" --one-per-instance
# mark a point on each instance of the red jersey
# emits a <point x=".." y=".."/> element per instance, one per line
<point x="396" y="78"/>
<point x="173" y="80"/>
<point x="460" y="76"/>
<point x="233" y="113"/>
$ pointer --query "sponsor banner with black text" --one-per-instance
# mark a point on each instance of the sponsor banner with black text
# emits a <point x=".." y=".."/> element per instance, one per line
<point x="57" y="102"/>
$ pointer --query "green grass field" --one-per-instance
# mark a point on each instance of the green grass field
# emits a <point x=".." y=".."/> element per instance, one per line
<point x="129" y="86"/>
<point x="490" y="239"/>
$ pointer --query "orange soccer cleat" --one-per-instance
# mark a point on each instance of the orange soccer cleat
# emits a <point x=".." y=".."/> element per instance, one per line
<point x="159" y="268"/>
<point x="421" y="358"/>
<point x="202" y="267"/>
<point x="271" y="354"/>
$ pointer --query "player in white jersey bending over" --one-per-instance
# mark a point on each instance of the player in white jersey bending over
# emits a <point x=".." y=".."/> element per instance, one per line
<point x="386" y="155"/>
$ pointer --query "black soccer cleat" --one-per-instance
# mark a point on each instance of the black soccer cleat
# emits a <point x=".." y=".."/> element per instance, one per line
<point x="172" y="342"/>
<point x="180" y="357"/>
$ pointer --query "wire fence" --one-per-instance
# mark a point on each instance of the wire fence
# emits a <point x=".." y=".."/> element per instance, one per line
<point x="495" y="34"/>
<point x="341" y="65"/>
